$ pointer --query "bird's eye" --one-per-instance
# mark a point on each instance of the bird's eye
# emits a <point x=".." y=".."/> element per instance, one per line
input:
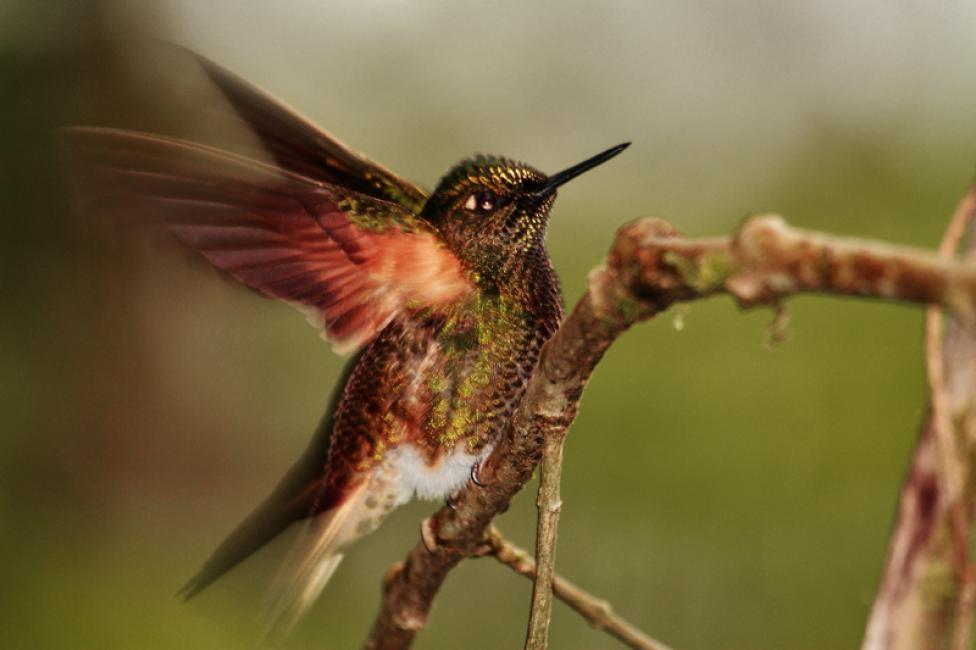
<point x="483" y="201"/>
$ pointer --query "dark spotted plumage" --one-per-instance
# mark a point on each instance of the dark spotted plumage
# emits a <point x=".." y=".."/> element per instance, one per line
<point x="452" y="295"/>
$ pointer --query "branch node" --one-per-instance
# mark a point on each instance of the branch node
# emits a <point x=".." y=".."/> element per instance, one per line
<point x="391" y="574"/>
<point x="410" y="623"/>
<point x="554" y="507"/>
<point x="761" y="238"/>
<point x="428" y="535"/>
<point x="604" y="611"/>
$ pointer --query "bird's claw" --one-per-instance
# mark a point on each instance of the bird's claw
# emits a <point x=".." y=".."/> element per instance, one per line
<point x="474" y="475"/>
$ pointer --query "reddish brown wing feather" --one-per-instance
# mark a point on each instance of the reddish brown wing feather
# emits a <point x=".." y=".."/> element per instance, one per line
<point x="351" y="260"/>
<point x="298" y="145"/>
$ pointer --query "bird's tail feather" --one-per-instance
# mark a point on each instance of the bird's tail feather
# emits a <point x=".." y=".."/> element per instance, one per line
<point x="274" y="515"/>
<point x="294" y="499"/>
<point x="311" y="563"/>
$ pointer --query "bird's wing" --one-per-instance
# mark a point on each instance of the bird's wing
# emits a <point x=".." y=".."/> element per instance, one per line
<point x="298" y="145"/>
<point x="291" y="500"/>
<point x="351" y="260"/>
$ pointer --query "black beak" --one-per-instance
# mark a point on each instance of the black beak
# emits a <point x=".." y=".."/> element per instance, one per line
<point x="569" y="174"/>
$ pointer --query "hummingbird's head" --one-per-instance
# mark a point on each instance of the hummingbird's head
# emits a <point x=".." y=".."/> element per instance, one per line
<point x="493" y="212"/>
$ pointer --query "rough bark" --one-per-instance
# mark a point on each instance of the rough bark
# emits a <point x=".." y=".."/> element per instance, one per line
<point x="649" y="268"/>
<point x="925" y="600"/>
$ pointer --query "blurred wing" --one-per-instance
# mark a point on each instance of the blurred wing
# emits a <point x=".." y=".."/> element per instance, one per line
<point x="353" y="261"/>
<point x="298" y="145"/>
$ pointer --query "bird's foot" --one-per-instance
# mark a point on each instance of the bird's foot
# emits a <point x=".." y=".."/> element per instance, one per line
<point x="474" y="475"/>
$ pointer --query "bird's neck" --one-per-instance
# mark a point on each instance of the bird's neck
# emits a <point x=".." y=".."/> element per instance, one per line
<point x="530" y="281"/>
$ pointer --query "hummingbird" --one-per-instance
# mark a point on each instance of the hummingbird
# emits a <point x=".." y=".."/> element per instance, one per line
<point x="445" y="300"/>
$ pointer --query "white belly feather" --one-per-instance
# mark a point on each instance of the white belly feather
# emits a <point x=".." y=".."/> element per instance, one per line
<point x="439" y="481"/>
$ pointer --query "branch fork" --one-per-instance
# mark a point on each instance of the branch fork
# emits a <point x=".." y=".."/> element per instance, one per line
<point x="650" y="267"/>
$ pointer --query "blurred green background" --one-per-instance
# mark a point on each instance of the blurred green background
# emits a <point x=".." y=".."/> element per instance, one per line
<point x="719" y="493"/>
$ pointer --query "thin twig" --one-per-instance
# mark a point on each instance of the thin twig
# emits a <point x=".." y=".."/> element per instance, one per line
<point x="927" y="590"/>
<point x="596" y="611"/>
<point x="964" y="612"/>
<point x="549" y="504"/>
<point x="650" y="267"/>
<point x="951" y="465"/>
<point x="956" y="462"/>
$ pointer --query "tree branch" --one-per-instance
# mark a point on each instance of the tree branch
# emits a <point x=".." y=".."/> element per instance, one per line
<point x="650" y="267"/>
<point x="549" y="504"/>
<point x="595" y="610"/>
<point x="926" y="595"/>
<point x="767" y="261"/>
<point x="549" y="406"/>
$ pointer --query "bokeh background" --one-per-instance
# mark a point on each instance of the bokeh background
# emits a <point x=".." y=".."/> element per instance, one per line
<point x="718" y="492"/>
